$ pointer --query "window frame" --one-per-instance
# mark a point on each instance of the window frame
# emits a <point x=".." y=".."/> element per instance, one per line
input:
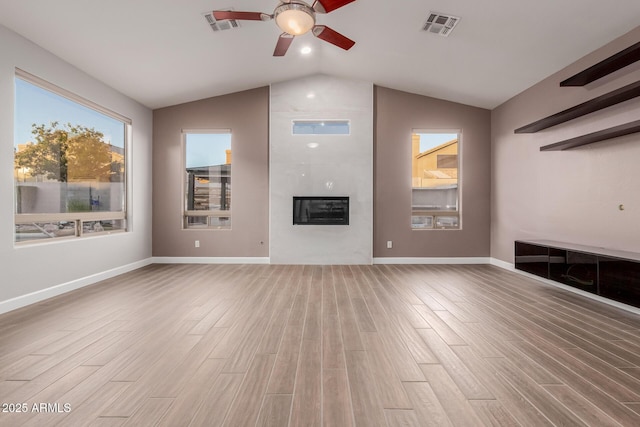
<point x="434" y="214"/>
<point x="183" y="193"/>
<point x="78" y="218"/>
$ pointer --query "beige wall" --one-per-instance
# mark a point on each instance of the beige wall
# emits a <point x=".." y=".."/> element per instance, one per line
<point x="246" y="114"/>
<point x="37" y="271"/>
<point x="396" y="114"/>
<point x="573" y="195"/>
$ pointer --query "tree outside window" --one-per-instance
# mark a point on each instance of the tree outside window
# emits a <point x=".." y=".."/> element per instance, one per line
<point x="69" y="172"/>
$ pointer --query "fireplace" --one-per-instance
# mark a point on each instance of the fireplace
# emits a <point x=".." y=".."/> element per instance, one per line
<point x="314" y="210"/>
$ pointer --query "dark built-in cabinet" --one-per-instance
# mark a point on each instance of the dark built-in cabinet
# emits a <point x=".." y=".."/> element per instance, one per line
<point x="605" y="272"/>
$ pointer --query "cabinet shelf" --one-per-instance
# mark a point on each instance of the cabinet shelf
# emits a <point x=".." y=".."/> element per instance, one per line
<point x="609" y="273"/>
<point x="590" y="138"/>
<point x="605" y="67"/>
<point x="608" y="99"/>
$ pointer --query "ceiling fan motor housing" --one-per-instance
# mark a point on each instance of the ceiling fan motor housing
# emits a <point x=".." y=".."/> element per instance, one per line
<point x="295" y="18"/>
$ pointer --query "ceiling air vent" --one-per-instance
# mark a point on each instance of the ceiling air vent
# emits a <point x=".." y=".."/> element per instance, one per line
<point x="441" y="24"/>
<point x="222" y="25"/>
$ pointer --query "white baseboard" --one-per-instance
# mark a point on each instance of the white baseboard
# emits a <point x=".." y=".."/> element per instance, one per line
<point x="34" y="297"/>
<point x="211" y="260"/>
<point x="502" y="264"/>
<point x="434" y="260"/>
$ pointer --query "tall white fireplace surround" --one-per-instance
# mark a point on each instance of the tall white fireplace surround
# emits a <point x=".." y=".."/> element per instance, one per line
<point x="321" y="165"/>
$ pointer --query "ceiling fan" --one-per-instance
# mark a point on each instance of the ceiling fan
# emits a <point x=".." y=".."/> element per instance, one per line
<point x="295" y="17"/>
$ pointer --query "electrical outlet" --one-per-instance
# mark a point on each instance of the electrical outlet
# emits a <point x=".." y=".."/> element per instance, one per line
<point x="389" y="244"/>
<point x="197" y="243"/>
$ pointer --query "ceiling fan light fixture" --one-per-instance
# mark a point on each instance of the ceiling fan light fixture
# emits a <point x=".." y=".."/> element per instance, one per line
<point x="295" y="18"/>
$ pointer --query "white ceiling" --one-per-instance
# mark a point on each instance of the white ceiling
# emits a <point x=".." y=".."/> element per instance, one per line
<point x="162" y="52"/>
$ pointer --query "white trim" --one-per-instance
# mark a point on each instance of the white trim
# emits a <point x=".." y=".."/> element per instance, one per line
<point x="57" y="90"/>
<point x="206" y="130"/>
<point x="510" y="267"/>
<point x="314" y="262"/>
<point x="436" y="130"/>
<point x="502" y="264"/>
<point x="435" y="260"/>
<point x="211" y="260"/>
<point x="34" y="297"/>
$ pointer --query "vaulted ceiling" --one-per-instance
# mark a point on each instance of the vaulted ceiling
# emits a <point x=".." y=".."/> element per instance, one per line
<point x="163" y="52"/>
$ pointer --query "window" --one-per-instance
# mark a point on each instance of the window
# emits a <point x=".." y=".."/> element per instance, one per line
<point x="321" y="127"/>
<point x="207" y="179"/>
<point x="69" y="164"/>
<point x="434" y="175"/>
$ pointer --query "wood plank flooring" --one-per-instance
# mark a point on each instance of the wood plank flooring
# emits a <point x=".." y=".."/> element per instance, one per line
<point x="276" y="345"/>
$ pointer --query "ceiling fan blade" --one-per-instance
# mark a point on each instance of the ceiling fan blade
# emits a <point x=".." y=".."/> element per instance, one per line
<point x="240" y="16"/>
<point x="327" y="34"/>
<point x="326" y="6"/>
<point x="284" y="41"/>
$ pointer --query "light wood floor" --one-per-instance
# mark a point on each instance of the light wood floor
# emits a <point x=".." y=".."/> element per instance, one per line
<point x="240" y="345"/>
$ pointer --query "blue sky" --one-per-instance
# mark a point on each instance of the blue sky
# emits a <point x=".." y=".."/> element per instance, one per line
<point x="207" y="149"/>
<point x="430" y="140"/>
<point x="36" y="105"/>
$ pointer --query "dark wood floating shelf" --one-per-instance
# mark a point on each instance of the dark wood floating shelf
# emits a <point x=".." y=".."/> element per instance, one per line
<point x="603" y="101"/>
<point x="605" y="67"/>
<point x="602" y="135"/>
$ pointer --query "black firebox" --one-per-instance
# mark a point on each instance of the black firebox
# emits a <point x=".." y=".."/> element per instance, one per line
<point x="318" y="210"/>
